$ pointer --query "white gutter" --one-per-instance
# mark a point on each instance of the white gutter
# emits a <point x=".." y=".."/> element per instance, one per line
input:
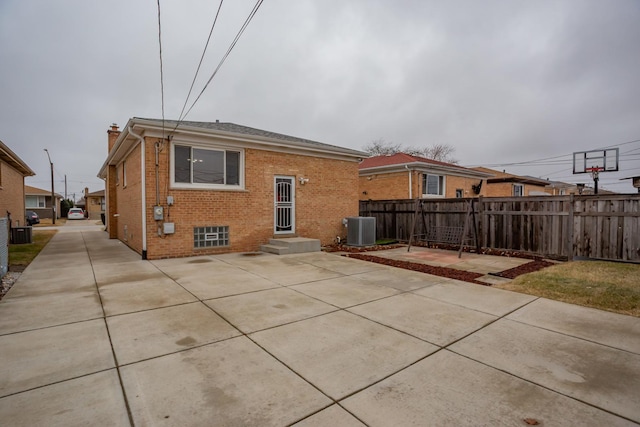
<point x="410" y="182"/>
<point x="144" y="191"/>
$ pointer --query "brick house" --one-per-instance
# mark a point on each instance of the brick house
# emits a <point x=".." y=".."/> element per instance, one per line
<point x="12" y="189"/>
<point x="403" y="176"/>
<point x="211" y="187"/>
<point x="503" y="184"/>
<point x="39" y="201"/>
<point x="94" y="203"/>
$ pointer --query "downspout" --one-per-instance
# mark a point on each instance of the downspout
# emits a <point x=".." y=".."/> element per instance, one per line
<point x="410" y="182"/>
<point x="144" y="192"/>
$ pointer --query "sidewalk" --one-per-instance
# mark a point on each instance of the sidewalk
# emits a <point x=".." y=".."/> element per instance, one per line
<point x="92" y="335"/>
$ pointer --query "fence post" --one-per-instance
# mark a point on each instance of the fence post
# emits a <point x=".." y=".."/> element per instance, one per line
<point x="570" y="239"/>
<point x="481" y="221"/>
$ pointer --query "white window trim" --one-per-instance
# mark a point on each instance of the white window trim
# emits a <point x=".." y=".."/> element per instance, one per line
<point x="521" y="186"/>
<point x="204" y="186"/>
<point x="434" y="196"/>
<point x="38" y="198"/>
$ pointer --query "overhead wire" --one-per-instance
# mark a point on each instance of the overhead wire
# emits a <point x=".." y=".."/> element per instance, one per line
<point x="204" y="51"/>
<point x="537" y="161"/>
<point x="224" y="58"/>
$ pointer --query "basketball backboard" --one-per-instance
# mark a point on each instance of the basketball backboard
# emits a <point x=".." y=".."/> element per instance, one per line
<point x="604" y="160"/>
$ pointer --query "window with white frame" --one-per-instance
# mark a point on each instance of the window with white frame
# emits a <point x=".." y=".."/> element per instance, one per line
<point x="35" y="202"/>
<point x="207" y="167"/>
<point x="124" y="173"/>
<point x="518" y="190"/>
<point x="459" y="193"/>
<point x="432" y="185"/>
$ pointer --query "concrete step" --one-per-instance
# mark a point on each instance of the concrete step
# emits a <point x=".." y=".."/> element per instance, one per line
<point x="274" y="249"/>
<point x="291" y="245"/>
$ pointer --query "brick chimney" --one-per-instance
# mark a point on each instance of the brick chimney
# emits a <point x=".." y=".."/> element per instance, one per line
<point x="113" y="133"/>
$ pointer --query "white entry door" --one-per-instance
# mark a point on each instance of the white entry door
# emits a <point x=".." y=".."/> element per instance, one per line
<point x="284" y="199"/>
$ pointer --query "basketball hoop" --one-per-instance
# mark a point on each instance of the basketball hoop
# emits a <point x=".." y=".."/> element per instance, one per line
<point x="594" y="171"/>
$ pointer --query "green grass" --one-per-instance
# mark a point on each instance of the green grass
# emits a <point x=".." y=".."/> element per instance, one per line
<point x="386" y="241"/>
<point x="607" y="286"/>
<point x="20" y="256"/>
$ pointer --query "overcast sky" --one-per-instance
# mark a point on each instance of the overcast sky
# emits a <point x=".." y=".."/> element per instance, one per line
<point x="500" y="81"/>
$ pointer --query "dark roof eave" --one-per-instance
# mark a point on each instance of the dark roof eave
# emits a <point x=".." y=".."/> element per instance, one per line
<point x="421" y="166"/>
<point x="518" y="180"/>
<point x="16" y="162"/>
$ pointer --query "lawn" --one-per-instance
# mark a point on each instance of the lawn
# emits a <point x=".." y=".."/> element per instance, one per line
<point x="20" y="256"/>
<point x="603" y="285"/>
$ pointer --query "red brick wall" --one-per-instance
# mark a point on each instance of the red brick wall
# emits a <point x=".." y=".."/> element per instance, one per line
<point x="129" y="228"/>
<point x="395" y="185"/>
<point x="12" y="194"/>
<point x="386" y="186"/>
<point x="94" y="207"/>
<point x="330" y="195"/>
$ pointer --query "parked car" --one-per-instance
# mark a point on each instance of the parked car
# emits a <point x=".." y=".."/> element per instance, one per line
<point x="32" y="218"/>
<point x="75" y="213"/>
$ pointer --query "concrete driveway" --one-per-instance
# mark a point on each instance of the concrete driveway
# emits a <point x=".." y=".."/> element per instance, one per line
<point x="92" y="335"/>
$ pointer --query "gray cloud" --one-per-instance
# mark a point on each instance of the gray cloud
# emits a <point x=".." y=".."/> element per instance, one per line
<point x="501" y="81"/>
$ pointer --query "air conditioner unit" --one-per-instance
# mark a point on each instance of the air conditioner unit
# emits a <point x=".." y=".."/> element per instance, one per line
<point x="361" y="231"/>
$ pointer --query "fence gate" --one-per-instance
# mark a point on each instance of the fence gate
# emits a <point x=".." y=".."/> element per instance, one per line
<point x="4" y="246"/>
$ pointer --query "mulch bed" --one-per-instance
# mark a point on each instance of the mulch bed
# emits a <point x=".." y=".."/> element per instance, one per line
<point x="354" y="249"/>
<point x="453" y="273"/>
<point x="529" y="267"/>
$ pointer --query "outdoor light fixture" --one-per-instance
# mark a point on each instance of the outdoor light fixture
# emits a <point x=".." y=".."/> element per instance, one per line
<point x="303" y="181"/>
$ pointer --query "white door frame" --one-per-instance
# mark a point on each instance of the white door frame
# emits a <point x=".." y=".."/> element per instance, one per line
<point x="284" y="204"/>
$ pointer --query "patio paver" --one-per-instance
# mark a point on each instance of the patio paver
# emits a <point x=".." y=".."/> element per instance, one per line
<point x="437" y="322"/>
<point x="232" y="382"/>
<point x="332" y="416"/>
<point x="448" y="389"/>
<point x="482" y="298"/>
<point x="592" y="373"/>
<point x="344" y="291"/>
<point x="266" y="309"/>
<point x="94" y="400"/>
<point x="45" y="356"/>
<point x="214" y="279"/>
<point x="341" y="353"/>
<point x="161" y="331"/>
<point x="612" y="329"/>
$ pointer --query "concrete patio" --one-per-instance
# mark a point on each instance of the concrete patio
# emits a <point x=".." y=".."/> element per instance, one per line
<point x="92" y="335"/>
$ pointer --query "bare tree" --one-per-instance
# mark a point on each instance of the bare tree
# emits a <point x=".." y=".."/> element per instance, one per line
<point x="380" y="147"/>
<point x="439" y="152"/>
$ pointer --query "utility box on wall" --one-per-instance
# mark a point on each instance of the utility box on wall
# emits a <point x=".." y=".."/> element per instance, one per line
<point x="361" y="231"/>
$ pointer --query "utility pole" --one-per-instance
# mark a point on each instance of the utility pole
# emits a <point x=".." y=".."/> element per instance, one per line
<point x="53" y="195"/>
<point x="65" y="186"/>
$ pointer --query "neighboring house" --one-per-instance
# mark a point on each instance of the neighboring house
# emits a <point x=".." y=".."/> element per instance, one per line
<point x="12" y="189"/>
<point x="403" y="176"/>
<point x="39" y="201"/>
<point x="211" y="187"/>
<point x="503" y="184"/>
<point x="95" y="204"/>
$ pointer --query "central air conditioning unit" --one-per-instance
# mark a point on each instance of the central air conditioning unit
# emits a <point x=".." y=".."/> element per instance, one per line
<point x="361" y="231"/>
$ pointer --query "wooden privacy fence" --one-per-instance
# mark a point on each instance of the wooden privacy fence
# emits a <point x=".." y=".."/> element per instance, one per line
<point x="563" y="227"/>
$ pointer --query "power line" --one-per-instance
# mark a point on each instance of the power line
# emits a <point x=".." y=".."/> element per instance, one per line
<point x="535" y="162"/>
<point x="201" y="59"/>
<point x="224" y="58"/>
<point x="161" y="70"/>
